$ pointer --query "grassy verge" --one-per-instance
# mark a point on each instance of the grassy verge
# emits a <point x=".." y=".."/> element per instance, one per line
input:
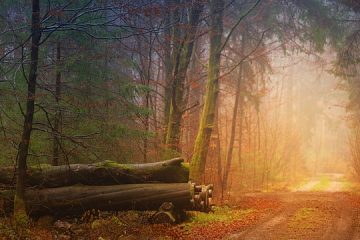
<point x="220" y="215"/>
<point x="322" y="185"/>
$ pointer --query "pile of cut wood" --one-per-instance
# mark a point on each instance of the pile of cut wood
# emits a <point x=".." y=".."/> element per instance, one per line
<point x="75" y="188"/>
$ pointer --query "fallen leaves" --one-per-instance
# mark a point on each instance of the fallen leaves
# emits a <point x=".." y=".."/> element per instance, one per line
<point x="135" y="225"/>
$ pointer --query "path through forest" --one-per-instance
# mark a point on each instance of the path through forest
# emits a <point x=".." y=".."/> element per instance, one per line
<point x="331" y="182"/>
<point x="321" y="208"/>
<point x="326" y="207"/>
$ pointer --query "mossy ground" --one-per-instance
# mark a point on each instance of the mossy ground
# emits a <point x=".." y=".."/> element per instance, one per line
<point x="220" y="214"/>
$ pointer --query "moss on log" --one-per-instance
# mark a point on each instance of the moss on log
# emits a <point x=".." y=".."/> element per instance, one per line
<point x="102" y="173"/>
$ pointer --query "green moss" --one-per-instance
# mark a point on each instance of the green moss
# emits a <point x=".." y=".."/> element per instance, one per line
<point x="96" y="224"/>
<point x="113" y="164"/>
<point x="220" y="214"/>
<point x="41" y="166"/>
<point x="208" y="113"/>
<point x="20" y="216"/>
<point x="116" y="220"/>
<point x="185" y="166"/>
<point x="107" y="163"/>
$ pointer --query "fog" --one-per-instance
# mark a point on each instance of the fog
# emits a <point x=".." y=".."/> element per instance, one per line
<point x="294" y="126"/>
<point x="313" y="106"/>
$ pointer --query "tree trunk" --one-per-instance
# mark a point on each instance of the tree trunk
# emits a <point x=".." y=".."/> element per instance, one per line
<point x="232" y="132"/>
<point x="57" y="120"/>
<point x="73" y="200"/>
<point x="198" y="160"/>
<point x="241" y="165"/>
<point x="103" y="173"/>
<point x="218" y="148"/>
<point x="179" y="75"/>
<point x="233" y="124"/>
<point x="19" y="206"/>
<point x="147" y="104"/>
<point x="172" y="36"/>
<point x="2" y="50"/>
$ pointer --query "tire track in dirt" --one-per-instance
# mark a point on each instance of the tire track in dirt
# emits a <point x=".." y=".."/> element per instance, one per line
<point x="261" y="230"/>
<point x="315" y="216"/>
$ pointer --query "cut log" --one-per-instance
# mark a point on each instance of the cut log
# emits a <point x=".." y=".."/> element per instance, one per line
<point x="165" y="214"/>
<point x="77" y="199"/>
<point x="102" y="173"/>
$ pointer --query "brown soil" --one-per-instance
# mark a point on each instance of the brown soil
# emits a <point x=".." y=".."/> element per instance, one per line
<point x="317" y="215"/>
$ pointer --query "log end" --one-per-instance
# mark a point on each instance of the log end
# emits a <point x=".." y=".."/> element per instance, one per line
<point x="163" y="218"/>
<point x="165" y="215"/>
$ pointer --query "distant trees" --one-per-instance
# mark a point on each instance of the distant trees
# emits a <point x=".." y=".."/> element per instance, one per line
<point x="347" y="67"/>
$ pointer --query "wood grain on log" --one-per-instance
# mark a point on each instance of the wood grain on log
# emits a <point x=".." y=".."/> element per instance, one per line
<point x="77" y="199"/>
<point x="102" y="173"/>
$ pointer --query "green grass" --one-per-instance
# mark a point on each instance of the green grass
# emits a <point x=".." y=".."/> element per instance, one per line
<point x="220" y="214"/>
<point x="322" y="185"/>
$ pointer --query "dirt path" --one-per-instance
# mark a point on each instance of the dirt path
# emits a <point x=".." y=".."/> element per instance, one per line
<point x="307" y="186"/>
<point x="305" y="214"/>
<point x="331" y="182"/>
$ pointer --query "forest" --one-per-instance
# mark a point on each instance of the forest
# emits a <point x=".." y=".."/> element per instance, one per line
<point x="179" y="119"/>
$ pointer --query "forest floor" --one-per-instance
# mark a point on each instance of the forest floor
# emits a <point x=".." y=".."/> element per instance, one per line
<point x="325" y="207"/>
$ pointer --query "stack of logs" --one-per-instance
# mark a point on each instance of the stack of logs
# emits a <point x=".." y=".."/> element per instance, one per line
<point x="75" y="188"/>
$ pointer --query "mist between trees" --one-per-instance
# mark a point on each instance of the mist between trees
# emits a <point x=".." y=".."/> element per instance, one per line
<point x="253" y="94"/>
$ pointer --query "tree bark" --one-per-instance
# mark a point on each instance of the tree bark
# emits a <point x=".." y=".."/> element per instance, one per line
<point x="103" y="173"/>
<point x="240" y="160"/>
<point x="233" y="123"/>
<point x="197" y="166"/>
<point x="171" y="48"/>
<point x="74" y="200"/>
<point x="57" y="119"/>
<point x="181" y="64"/>
<point x="19" y="206"/>
<point x="218" y="147"/>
